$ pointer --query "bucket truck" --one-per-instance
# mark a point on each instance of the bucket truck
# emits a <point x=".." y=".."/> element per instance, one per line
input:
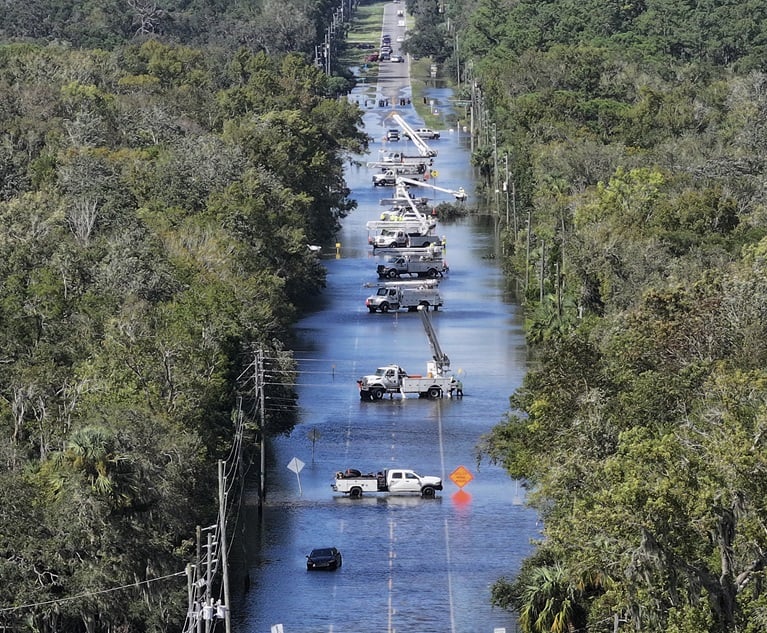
<point x="393" y="379"/>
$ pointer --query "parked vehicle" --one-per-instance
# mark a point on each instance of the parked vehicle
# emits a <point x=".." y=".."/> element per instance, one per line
<point x="392" y="135"/>
<point x="393" y="481"/>
<point x="324" y="558"/>
<point x="423" y="132"/>
<point x="393" y="379"/>
<point x="399" y="238"/>
<point x="397" y="58"/>
<point x="404" y="295"/>
<point x="427" y="265"/>
<point x="373" y="57"/>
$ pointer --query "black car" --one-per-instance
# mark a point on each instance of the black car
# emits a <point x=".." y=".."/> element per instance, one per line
<point x="324" y="558"/>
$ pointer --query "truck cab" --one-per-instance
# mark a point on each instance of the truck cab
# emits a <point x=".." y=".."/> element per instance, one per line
<point x="391" y="377"/>
<point x="404" y="481"/>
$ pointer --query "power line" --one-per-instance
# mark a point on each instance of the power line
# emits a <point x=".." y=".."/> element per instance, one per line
<point x="90" y="593"/>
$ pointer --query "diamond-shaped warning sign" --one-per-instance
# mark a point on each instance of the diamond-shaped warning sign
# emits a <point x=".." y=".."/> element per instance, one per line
<point x="461" y="476"/>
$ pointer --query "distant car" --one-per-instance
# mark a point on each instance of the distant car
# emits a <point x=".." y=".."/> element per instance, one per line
<point x="324" y="558"/>
<point x="392" y="135"/>
<point x="397" y="58"/>
<point x="400" y="38"/>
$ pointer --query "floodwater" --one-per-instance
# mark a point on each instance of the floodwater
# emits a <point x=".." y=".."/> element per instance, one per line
<point x="410" y="565"/>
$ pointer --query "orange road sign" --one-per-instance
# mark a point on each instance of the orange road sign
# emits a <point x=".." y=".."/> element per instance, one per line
<point x="461" y="476"/>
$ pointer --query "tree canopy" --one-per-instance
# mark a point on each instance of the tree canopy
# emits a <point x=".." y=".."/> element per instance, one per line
<point x="157" y="204"/>
<point x="634" y="136"/>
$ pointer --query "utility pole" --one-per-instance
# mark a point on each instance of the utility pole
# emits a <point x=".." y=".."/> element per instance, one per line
<point x="262" y="406"/>
<point x="527" y="255"/>
<point x="543" y="269"/>
<point x="495" y="168"/>
<point x="506" y="186"/>
<point x="222" y="543"/>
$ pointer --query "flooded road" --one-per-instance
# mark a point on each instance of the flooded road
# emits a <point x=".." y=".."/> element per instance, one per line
<point x="409" y="564"/>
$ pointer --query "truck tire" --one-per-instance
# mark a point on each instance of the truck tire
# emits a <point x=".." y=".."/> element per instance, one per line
<point x="384" y="307"/>
<point x="425" y="305"/>
<point x="355" y="492"/>
<point x="376" y="393"/>
<point x="432" y="273"/>
<point x="428" y="492"/>
<point x="366" y="395"/>
<point x="435" y="392"/>
<point x="425" y="245"/>
<point x="393" y="245"/>
<point x="392" y="273"/>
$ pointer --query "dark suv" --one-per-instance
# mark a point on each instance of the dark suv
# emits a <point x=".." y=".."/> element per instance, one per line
<point x="392" y="135"/>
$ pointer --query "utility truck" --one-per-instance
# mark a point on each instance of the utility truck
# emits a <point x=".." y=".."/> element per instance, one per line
<point x="393" y="481"/>
<point x="392" y="379"/>
<point x="427" y="265"/>
<point x="400" y="238"/>
<point x="388" y="177"/>
<point x="413" y="219"/>
<point x="405" y="295"/>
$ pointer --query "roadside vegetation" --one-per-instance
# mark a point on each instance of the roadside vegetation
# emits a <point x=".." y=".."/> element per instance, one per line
<point x="635" y="222"/>
<point x="158" y="201"/>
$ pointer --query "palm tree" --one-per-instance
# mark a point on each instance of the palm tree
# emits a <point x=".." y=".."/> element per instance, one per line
<point x="92" y="455"/>
<point x="549" y="601"/>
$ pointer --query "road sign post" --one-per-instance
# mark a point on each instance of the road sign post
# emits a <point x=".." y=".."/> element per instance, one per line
<point x="296" y="465"/>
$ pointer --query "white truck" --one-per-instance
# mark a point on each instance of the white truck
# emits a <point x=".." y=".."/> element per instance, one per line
<point x="427" y="265"/>
<point x="388" y="177"/>
<point x="397" y="296"/>
<point x="400" y="238"/>
<point x="393" y="379"/>
<point x="393" y="481"/>
<point x="424" y="132"/>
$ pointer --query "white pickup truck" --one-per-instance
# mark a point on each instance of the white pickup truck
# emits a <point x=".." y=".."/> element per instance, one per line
<point x="393" y="481"/>
<point x="393" y="379"/>
<point x="424" y="132"/>
<point x="405" y="295"/>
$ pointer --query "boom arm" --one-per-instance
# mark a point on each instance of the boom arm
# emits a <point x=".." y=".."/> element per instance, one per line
<point x="443" y="362"/>
<point x="423" y="147"/>
<point x="459" y="193"/>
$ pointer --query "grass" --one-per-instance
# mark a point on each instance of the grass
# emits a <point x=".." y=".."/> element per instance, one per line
<point x="365" y="28"/>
